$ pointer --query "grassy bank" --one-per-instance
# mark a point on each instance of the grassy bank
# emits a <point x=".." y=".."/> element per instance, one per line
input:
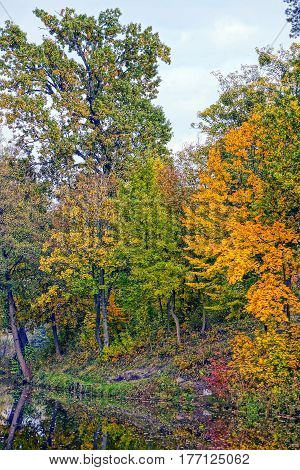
<point x="168" y="372"/>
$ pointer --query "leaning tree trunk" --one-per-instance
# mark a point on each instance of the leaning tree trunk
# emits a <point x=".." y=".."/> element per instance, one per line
<point x="171" y="310"/>
<point x="55" y="335"/>
<point x="98" y="320"/>
<point x="12" y="319"/>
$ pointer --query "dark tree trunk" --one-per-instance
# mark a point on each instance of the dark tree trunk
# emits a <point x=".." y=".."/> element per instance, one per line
<point x="104" y="301"/>
<point x="55" y="335"/>
<point x="23" y="338"/>
<point x="98" y="320"/>
<point x="171" y="310"/>
<point x="104" y="319"/>
<point x="17" y="417"/>
<point x="168" y="317"/>
<point x="288" y="283"/>
<point x="12" y="319"/>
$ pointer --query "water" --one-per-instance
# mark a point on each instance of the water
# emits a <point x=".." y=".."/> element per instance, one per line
<point x="34" y="419"/>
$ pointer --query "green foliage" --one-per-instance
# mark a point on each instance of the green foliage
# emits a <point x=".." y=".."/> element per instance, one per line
<point x="14" y="368"/>
<point x="149" y="211"/>
<point x="122" y="346"/>
<point x="23" y="223"/>
<point x="85" y="92"/>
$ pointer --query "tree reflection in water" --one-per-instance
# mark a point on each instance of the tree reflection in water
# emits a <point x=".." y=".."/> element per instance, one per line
<point x="31" y="421"/>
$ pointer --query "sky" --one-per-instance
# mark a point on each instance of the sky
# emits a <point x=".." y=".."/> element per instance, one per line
<point x="204" y="36"/>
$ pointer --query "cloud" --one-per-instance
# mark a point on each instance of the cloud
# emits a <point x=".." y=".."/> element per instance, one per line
<point x="183" y="92"/>
<point x="229" y="31"/>
<point x="185" y="81"/>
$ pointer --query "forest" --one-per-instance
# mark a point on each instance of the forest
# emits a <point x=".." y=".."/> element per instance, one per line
<point x="131" y="269"/>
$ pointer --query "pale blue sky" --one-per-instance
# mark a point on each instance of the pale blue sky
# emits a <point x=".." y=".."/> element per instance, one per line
<point x="204" y="35"/>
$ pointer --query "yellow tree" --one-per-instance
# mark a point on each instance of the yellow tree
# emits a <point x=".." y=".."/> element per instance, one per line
<point x="79" y="253"/>
<point x="232" y="231"/>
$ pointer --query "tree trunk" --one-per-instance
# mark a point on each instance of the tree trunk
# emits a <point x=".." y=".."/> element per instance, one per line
<point x="104" y="301"/>
<point x="12" y="319"/>
<point x="104" y="319"/>
<point x="161" y="308"/>
<point x="171" y="309"/>
<point x="55" y="335"/>
<point x="98" y="320"/>
<point x="288" y="283"/>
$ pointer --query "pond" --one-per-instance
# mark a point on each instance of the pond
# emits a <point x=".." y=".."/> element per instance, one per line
<point x="32" y="418"/>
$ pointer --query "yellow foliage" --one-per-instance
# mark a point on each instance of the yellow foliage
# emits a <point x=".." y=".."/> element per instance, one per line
<point x="271" y="358"/>
<point x="82" y="239"/>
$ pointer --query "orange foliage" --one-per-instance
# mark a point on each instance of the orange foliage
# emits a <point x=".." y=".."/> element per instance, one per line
<point x="229" y="232"/>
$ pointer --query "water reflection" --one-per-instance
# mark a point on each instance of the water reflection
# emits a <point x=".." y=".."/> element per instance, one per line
<point x="16" y="416"/>
<point x="32" y="419"/>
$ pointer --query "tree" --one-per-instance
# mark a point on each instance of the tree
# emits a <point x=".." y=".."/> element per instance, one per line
<point x="23" y="224"/>
<point x="242" y="223"/>
<point x="205" y="220"/>
<point x="234" y="231"/>
<point x="83" y="96"/>
<point x="79" y="251"/>
<point x="149" y="208"/>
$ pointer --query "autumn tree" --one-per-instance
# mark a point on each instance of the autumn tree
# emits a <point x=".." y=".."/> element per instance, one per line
<point x="79" y="251"/>
<point x="243" y="221"/>
<point x="84" y="95"/>
<point x="232" y="234"/>
<point x="149" y="207"/>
